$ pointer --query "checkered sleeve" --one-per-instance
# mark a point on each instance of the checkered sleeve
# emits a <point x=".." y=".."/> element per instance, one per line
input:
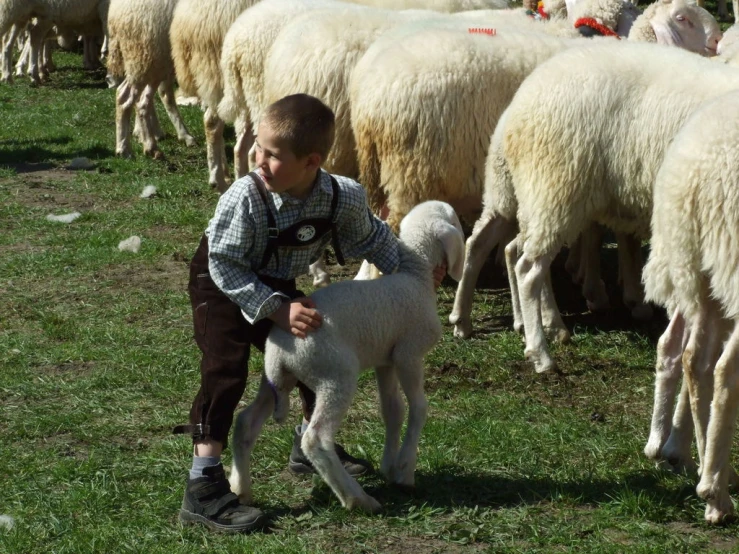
<point x="362" y="234"/>
<point x="231" y="235"/>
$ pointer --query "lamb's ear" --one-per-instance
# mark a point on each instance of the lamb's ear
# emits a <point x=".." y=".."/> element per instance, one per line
<point x="453" y="242"/>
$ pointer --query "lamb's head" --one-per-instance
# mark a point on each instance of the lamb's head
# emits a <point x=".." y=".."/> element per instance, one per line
<point x="433" y="231"/>
<point x="678" y="23"/>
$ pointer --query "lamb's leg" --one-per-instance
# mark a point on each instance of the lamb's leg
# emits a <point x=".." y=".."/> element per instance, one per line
<point x="332" y="403"/>
<point x="143" y="108"/>
<point x="715" y="468"/>
<point x="166" y="93"/>
<point x="126" y="97"/>
<point x="699" y="359"/>
<point x="630" y="266"/>
<point x="593" y="287"/>
<point x="667" y="375"/>
<point x="10" y="37"/>
<point x="393" y="410"/>
<point x="531" y="274"/>
<point x="488" y="231"/>
<point x="554" y="328"/>
<point x="246" y="430"/>
<point x="214" y="147"/>
<point x="572" y="265"/>
<point x="410" y="375"/>
<point x="511" y="258"/>
<point x="317" y="270"/>
<point x="37" y="35"/>
<point x="676" y="450"/>
<point x="24" y="59"/>
<point x="244" y="142"/>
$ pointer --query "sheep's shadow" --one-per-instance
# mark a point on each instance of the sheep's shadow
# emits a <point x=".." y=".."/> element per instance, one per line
<point x="27" y="156"/>
<point x="453" y="487"/>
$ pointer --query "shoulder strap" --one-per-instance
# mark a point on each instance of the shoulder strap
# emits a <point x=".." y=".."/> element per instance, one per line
<point x="272" y="230"/>
<point x="334" y="232"/>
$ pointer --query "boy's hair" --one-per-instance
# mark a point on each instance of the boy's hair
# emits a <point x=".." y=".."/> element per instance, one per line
<point x="304" y="122"/>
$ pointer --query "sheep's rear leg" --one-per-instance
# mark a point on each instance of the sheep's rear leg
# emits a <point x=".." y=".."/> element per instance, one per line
<point x="593" y="287"/>
<point x="410" y="375"/>
<point x="667" y="374"/>
<point x="10" y="37"/>
<point x="676" y="450"/>
<point x="166" y="93"/>
<point x="332" y="403"/>
<point x="246" y="430"/>
<point x="488" y="232"/>
<point x="215" y="149"/>
<point x="630" y="264"/>
<point x="715" y="470"/>
<point x="126" y="97"/>
<point x="393" y="410"/>
<point x="244" y="143"/>
<point x="144" y="109"/>
<point x="531" y="275"/>
<point x="512" y="254"/>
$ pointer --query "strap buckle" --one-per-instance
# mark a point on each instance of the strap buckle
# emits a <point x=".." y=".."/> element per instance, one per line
<point x="273" y="232"/>
<point x="197" y="430"/>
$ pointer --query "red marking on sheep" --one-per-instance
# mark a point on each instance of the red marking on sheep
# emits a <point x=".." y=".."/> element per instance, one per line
<point x="483" y="31"/>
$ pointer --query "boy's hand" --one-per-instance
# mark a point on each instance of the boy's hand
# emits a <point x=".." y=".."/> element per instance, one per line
<point x="439" y="273"/>
<point x="298" y="317"/>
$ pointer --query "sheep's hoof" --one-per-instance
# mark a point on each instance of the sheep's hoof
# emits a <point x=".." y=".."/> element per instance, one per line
<point x="190" y="141"/>
<point x="366" y="504"/>
<point x="322" y="281"/>
<point x="518" y="326"/>
<point x="462" y="327"/>
<point x="543" y="363"/>
<point x="557" y="334"/>
<point x="719" y="512"/>
<point x="127" y="154"/>
<point x="652" y="450"/>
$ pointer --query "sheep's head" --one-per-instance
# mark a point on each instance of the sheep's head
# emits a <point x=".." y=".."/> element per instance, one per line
<point x="685" y="25"/>
<point x="435" y="223"/>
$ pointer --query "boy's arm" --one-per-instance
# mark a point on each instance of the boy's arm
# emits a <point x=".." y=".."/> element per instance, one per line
<point x="363" y="235"/>
<point x="230" y="244"/>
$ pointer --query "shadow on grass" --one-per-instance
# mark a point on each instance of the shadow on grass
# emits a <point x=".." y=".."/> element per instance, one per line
<point x="452" y="488"/>
<point x="26" y="156"/>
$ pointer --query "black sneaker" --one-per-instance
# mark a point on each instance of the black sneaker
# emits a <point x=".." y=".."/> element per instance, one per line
<point x="209" y="500"/>
<point x="299" y="464"/>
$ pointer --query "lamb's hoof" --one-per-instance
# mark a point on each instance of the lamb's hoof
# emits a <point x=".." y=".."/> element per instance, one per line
<point x="518" y="326"/>
<point x="190" y="141"/>
<point x="653" y="450"/>
<point x="322" y="281"/>
<point x="8" y="78"/>
<point x="462" y="326"/>
<point x="720" y="514"/>
<point x="543" y="363"/>
<point x="127" y="154"/>
<point x="366" y="504"/>
<point x="244" y="494"/>
<point x="642" y="312"/>
<point x="557" y="334"/>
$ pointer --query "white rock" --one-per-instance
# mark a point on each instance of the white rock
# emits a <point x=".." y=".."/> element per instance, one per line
<point x="149" y="190"/>
<point x="65" y="218"/>
<point x="7" y="522"/>
<point x="80" y="163"/>
<point x="131" y="244"/>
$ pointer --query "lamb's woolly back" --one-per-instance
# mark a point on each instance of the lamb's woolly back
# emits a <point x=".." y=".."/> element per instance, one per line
<point x="696" y="213"/>
<point x="632" y="99"/>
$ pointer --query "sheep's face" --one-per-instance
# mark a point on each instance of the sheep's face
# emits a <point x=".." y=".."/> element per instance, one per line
<point x="686" y="26"/>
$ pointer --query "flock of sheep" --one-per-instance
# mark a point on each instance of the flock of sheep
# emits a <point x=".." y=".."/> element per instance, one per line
<point x="540" y="136"/>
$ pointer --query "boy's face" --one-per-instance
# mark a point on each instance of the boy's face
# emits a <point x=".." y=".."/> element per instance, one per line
<point x="280" y="169"/>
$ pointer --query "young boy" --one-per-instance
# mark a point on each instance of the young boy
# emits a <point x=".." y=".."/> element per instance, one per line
<point x="268" y="227"/>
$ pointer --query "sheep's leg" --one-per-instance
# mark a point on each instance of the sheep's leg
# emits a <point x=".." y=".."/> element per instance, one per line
<point x="630" y="266"/>
<point x="511" y="258"/>
<point x="144" y="108"/>
<point x="166" y="93"/>
<point x="246" y="430"/>
<point x="37" y="35"/>
<point x="13" y="33"/>
<point x="531" y="274"/>
<point x="317" y="270"/>
<point x="214" y="147"/>
<point x="332" y="403"/>
<point x="244" y="142"/>
<point x="24" y="59"/>
<point x="393" y="410"/>
<point x="488" y="232"/>
<point x="715" y="469"/>
<point x="410" y="375"/>
<point x="126" y="97"/>
<point x="667" y="374"/>
<point x="677" y="447"/>
<point x="572" y="265"/>
<point x="554" y="328"/>
<point x="593" y="287"/>
<point x="699" y="358"/>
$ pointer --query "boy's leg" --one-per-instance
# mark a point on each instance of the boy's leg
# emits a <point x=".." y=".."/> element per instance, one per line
<point x="223" y="336"/>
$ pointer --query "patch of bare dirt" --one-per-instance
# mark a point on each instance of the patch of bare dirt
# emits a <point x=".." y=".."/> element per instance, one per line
<point x="37" y="190"/>
<point x="69" y="367"/>
<point x="165" y="274"/>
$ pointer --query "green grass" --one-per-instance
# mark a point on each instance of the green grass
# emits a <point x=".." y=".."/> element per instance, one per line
<point x="97" y="364"/>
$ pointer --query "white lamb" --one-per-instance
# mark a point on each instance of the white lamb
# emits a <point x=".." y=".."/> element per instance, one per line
<point x="140" y="55"/>
<point x="71" y="14"/>
<point x="388" y="324"/>
<point x="558" y="177"/>
<point x="692" y="272"/>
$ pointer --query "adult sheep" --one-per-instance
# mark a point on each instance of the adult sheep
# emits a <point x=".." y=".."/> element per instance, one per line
<point x="687" y="26"/>
<point x="692" y="272"/>
<point x="70" y="14"/>
<point x="631" y="99"/>
<point x="141" y="60"/>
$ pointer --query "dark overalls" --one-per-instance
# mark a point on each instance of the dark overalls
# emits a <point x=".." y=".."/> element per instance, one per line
<point x="224" y="336"/>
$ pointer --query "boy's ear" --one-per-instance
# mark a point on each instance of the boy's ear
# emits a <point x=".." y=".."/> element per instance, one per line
<point x="313" y="161"/>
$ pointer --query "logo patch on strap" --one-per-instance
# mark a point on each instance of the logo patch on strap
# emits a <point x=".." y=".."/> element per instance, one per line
<point x="305" y="233"/>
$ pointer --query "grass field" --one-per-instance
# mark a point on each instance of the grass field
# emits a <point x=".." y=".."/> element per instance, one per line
<point x="97" y="364"/>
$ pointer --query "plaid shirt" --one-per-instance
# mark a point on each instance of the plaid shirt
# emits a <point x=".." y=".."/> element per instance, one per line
<point x="237" y="238"/>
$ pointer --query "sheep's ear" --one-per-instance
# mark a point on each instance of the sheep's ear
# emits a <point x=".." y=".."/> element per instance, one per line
<point x="452" y="240"/>
<point x="664" y="32"/>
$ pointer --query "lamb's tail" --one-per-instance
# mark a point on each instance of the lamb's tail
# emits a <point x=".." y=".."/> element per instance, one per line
<point x="116" y="71"/>
<point x="233" y="102"/>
